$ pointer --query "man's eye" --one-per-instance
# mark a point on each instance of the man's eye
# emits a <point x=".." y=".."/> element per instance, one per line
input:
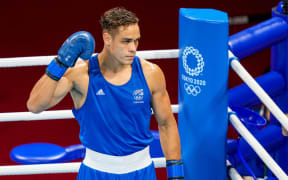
<point x="130" y="40"/>
<point x="126" y="41"/>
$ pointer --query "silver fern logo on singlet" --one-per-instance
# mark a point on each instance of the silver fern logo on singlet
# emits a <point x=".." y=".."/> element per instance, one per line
<point x="138" y="96"/>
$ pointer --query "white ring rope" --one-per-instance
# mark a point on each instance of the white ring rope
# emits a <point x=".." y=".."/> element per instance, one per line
<point x="74" y="168"/>
<point x="29" y="116"/>
<point x="55" y="168"/>
<point x="256" y="146"/>
<point x="45" y="60"/>
<point x="233" y="173"/>
<point x="45" y="115"/>
<point x="258" y="90"/>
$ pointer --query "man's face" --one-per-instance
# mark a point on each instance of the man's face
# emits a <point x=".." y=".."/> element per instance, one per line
<point x="124" y="43"/>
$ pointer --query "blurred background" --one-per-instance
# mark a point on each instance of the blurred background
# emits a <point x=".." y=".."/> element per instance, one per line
<point x="38" y="28"/>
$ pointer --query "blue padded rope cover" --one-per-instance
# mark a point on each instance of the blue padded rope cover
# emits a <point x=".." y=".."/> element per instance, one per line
<point x="272" y="82"/>
<point x="203" y="77"/>
<point x="258" y="37"/>
<point x="279" y="63"/>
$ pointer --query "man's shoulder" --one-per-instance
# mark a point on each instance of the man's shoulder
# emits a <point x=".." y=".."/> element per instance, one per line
<point x="153" y="74"/>
<point x="149" y="67"/>
<point x="80" y="68"/>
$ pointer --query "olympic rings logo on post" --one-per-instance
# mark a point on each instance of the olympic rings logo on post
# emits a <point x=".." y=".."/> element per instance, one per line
<point x="191" y="89"/>
<point x="200" y="63"/>
<point x="193" y="81"/>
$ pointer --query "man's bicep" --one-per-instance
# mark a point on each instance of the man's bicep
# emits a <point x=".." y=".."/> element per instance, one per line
<point x="161" y="106"/>
<point x="160" y="98"/>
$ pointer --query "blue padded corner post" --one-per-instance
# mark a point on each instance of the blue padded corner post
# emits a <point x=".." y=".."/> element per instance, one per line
<point x="203" y="77"/>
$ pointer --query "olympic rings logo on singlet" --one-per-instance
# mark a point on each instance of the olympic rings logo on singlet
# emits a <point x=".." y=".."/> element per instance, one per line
<point x="191" y="89"/>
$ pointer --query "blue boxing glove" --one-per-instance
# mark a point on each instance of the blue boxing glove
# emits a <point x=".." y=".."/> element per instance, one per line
<point x="175" y="169"/>
<point x="80" y="44"/>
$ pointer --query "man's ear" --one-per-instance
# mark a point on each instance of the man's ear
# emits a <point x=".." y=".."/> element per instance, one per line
<point x="107" y="38"/>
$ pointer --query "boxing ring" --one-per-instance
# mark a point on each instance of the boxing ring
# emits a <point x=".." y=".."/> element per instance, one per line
<point x="67" y="114"/>
<point x="271" y="33"/>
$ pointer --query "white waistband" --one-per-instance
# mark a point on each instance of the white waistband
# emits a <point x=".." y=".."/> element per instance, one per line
<point x="117" y="164"/>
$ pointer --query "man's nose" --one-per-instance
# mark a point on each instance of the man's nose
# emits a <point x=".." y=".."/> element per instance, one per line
<point x="132" y="46"/>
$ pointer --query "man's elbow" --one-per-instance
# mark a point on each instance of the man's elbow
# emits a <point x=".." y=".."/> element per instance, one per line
<point x="32" y="107"/>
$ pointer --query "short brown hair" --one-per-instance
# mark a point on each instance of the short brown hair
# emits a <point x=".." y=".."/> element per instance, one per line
<point x="116" y="17"/>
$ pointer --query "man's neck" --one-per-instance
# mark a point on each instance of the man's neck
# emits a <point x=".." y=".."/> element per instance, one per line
<point x="108" y="63"/>
<point x="112" y="70"/>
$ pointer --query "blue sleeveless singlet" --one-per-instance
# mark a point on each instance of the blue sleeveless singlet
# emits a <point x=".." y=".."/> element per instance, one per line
<point x="114" y="119"/>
